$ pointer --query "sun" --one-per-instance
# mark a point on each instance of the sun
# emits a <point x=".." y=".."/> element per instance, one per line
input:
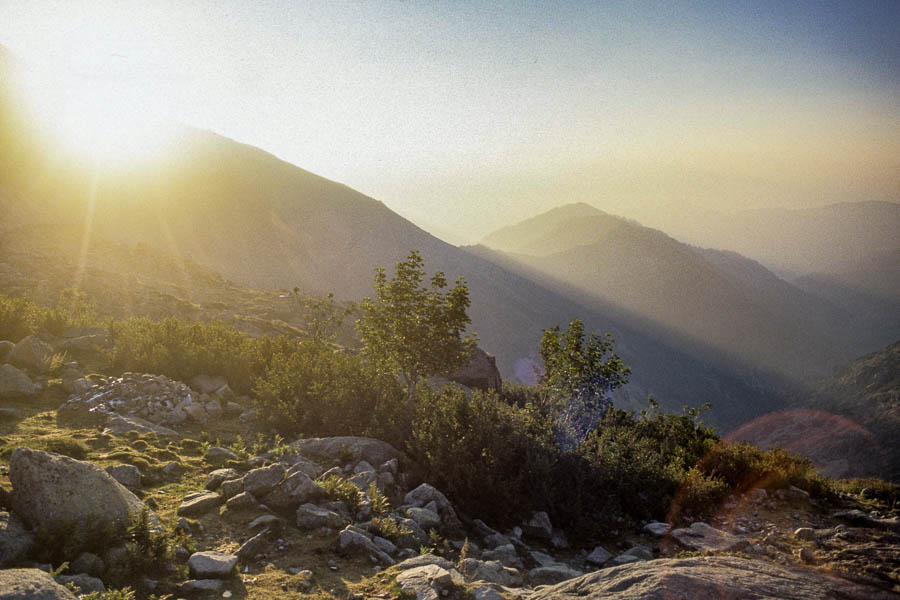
<point x="92" y="118"/>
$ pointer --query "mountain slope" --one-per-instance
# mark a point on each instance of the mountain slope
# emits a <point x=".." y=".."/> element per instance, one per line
<point x="263" y="223"/>
<point x="793" y="242"/>
<point x="723" y="300"/>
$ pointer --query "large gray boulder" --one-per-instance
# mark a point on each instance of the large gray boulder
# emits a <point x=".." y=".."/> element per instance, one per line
<point x="297" y="489"/>
<point x="16" y="542"/>
<point x="717" y="577"/>
<point x="31" y="584"/>
<point x="69" y="497"/>
<point x="14" y="383"/>
<point x="31" y="353"/>
<point x="353" y="448"/>
<point x="260" y="482"/>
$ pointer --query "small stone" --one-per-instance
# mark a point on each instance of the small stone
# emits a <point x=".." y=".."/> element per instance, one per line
<point x="805" y="533"/>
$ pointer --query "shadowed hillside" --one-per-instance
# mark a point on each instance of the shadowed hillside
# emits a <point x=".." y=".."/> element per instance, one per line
<point x="720" y="299"/>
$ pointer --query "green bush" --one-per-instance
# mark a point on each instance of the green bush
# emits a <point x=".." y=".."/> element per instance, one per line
<point x="182" y="349"/>
<point x="493" y="459"/>
<point x="20" y="317"/>
<point x="311" y="389"/>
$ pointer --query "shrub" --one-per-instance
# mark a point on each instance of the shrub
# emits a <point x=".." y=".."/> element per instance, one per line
<point x="310" y="389"/>
<point x="149" y="551"/>
<point x="340" y="489"/>
<point x="20" y="317"/>
<point x="492" y="458"/>
<point x="182" y="349"/>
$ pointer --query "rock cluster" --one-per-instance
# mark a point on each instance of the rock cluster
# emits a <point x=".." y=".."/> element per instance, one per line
<point x="154" y="398"/>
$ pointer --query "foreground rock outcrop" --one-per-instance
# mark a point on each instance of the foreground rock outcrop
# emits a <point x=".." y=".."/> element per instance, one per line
<point x="68" y="497"/>
<point x="713" y="577"/>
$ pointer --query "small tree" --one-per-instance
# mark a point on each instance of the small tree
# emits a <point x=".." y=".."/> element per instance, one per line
<point x="413" y="328"/>
<point x="579" y="373"/>
<point x="323" y="316"/>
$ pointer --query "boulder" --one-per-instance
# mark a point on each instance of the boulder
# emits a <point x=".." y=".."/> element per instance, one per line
<point x="84" y="584"/>
<point x="708" y="577"/>
<point x="31" y="353"/>
<point x="352" y="540"/>
<point x="260" y="482"/>
<point x="215" y="478"/>
<point x="426" y="493"/>
<point x="481" y="372"/>
<point x="659" y="529"/>
<point x="552" y="574"/>
<point x="505" y="554"/>
<point x="16" y="542"/>
<point x="486" y="593"/>
<point x="357" y="448"/>
<point x="538" y="526"/>
<point x="69" y="497"/>
<point x="425" y="518"/>
<point x="424" y="560"/>
<point x="127" y="475"/>
<point x="305" y="466"/>
<point x="310" y="516"/>
<point x="702" y="537"/>
<point x="89" y="563"/>
<point x="211" y="565"/>
<point x="805" y="533"/>
<point x="599" y="556"/>
<point x="200" y="587"/>
<point x="199" y="503"/>
<point x="473" y="569"/>
<point x="242" y="501"/>
<point x="218" y="456"/>
<point x="31" y="584"/>
<point x="232" y="487"/>
<point x="297" y="489"/>
<point x="253" y="546"/>
<point x="14" y="383"/>
<point x="426" y="583"/>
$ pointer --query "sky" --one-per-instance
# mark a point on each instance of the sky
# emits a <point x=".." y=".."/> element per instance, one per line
<point x="466" y="116"/>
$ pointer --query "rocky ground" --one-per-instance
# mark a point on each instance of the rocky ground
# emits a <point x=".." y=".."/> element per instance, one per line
<point x="83" y="456"/>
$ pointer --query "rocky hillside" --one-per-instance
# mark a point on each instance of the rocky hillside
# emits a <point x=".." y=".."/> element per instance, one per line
<point x="721" y="299"/>
<point x="171" y="489"/>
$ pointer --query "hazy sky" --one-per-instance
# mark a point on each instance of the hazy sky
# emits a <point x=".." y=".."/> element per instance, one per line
<point x="465" y="116"/>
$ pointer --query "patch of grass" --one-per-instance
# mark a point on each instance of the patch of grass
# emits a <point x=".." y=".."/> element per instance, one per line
<point x="67" y="447"/>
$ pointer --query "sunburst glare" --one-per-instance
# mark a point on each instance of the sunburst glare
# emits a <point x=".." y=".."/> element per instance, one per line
<point x="90" y="119"/>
